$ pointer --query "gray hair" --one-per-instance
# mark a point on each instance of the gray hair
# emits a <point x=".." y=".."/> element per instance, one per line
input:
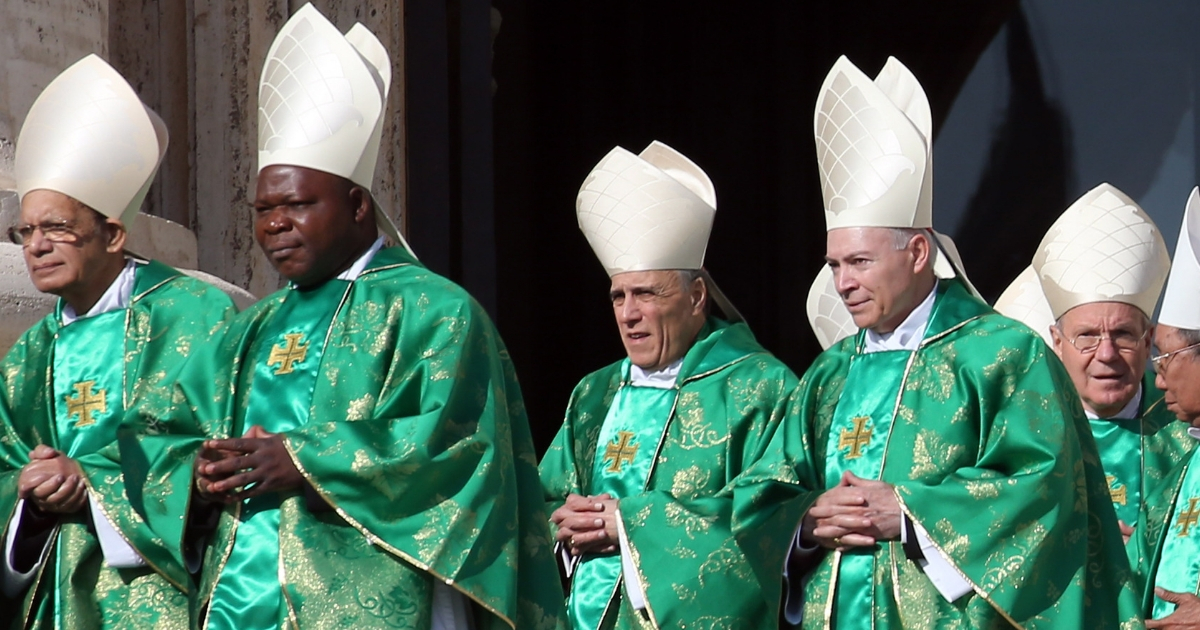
<point x="901" y="237"/>
<point x="687" y="277"/>
<point x="1189" y="336"/>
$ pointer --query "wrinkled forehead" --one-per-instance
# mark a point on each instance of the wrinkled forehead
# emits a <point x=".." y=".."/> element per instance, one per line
<point x="39" y="206"/>
<point x="1167" y="338"/>
<point x="657" y="278"/>
<point x="844" y="242"/>
<point x="284" y="180"/>
<point x="1105" y="316"/>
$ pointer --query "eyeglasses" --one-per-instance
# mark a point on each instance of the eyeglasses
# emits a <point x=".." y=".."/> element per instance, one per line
<point x="1161" y="361"/>
<point x="55" y="232"/>
<point x="1122" y="341"/>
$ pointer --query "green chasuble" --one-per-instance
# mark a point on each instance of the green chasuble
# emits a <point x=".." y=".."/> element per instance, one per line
<point x="984" y="439"/>
<point x="1165" y="548"/>
<point x="68" y="387"/>
<point x="1137" y="453"/>
<point x="399" y="405"/>
<point x="670" y="456"/>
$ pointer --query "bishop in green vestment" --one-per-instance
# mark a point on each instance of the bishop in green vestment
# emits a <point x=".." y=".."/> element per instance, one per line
<point x="1094" y="283"/>
<point x="638" y="478"/>
<point x="940" y="472"/>
<point x="77" y="551"/>
<point x="1166" y="548"/>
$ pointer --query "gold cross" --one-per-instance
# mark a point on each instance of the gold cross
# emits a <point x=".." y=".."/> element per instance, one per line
<point x="1118" y="494"/>
<point x="1189" y="517"/>
<point x="288" y="353"/>
<point x="856" y="439"/>
<point x="84" y="404"/>
<point x="620" y="451"/>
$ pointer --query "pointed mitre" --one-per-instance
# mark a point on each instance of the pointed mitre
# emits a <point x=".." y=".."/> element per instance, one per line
<point x="1181" y="301"/>
<point x="649" y="211"/>
<point x="1024" y="301"/>
<point x="90" y="137"/>
<point x="322" y="100"/>
<point x="874" y="154"/>
<point x="827" y="314"/>
<point x="1103" y="248"/>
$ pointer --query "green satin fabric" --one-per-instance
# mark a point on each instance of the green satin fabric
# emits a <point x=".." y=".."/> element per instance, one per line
<point x="641" y="412"/>
<point x="1179" y="566"/>
<point x="90" y="349"/>
<point x="248" y="594"/>
<point x="1120" y="444"/>
<point x="876" y="379"/>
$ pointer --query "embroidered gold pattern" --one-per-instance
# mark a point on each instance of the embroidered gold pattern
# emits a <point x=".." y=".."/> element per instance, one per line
<point x="620" y="452"/>
<point x="85" y="404"/>
<point x="288" y="353"/>
<point x="855" y="440"/>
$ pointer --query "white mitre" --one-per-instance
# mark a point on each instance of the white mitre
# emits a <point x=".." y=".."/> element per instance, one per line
<point x="650" y="211"/>
<point x="90" y="137"/>
<point x="1024" y="301"/>
<point x="1181" y="300"/>
<point x="827" y="314"/>
<point x="1103" y="248"/>
<point x="322" y="100"/>
<point x="875" y="156"/>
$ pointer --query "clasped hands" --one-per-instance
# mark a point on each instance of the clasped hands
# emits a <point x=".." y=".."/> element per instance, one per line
<point x="227" y="471"/>
<point x="52" y="482"/>
<point x="855" y="513"/>
<point x="587" y="524"/>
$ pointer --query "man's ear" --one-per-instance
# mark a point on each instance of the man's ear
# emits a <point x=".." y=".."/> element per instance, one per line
<point x="363" y="204"/>
<point x="922" y="249"/>
<point x="699" y="295"/>
<point x="114" y="236"/>
<point x="1059" y="339"/>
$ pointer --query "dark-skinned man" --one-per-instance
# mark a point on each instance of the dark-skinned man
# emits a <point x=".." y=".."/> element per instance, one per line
<point x="637" y="477"/>
<point x="77" y="553"/>
<point x="1094" y="282"/>
<point x="1167" y="548"/>
<point x="940" y="472"/>
<point x="369" y="438"/>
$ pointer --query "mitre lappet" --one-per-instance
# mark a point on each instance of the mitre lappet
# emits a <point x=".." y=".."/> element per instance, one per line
<point x="650" y="211"/>
<point x="322" y="100"/>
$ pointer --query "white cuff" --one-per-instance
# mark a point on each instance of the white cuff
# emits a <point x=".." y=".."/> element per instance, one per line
<point x="633" y="583"/>
<point x="14" y="582"/>
<point x="118" y="553"/>
<point x="793" y="586"/>
<point x="939" y="569"/>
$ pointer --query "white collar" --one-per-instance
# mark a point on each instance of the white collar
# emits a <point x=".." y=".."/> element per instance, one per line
<point x="1194" y="432"/>
<point x="658" y="379"/>
<point x="910" y="332"/>
<point x="116" y="296"/>
<point x="1128" y="412"/>
<point x="356" y="269"/>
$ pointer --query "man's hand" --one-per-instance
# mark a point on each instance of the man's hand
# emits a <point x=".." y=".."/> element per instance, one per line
<point x="587" y="524"/>
<point x="258" y="459"/>
<point x="1126" y="531"/>
<point x="52" y="482"/>
<point x="204" y="483"/>
<point x="1186" y="615"/>
<point x="855" y="513"/>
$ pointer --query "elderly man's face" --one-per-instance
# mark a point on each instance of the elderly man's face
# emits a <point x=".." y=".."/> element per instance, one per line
<point x="304" y="220"/>
<point x="658" y="317"/>
<point x="878" y="283"/>
<point x="67" y="244"/>
<point x="1179" y="374"/>
<point x="1107" y="377"/>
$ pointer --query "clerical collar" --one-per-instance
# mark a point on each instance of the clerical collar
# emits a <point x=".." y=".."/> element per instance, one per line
<point x="116" y="296"/>
<point x="1194" y="432"/>
<point x="658" y="379"/>
<point x="1128" y="412"/>
<point x="356" y="269"/>
<point x="910" y="332"/>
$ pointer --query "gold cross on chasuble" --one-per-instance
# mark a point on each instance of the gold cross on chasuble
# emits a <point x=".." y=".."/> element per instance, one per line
<point x="855" y="439"/>
<point x="1189" y="517"/>
<point x="85" y="404"/>
<point x="1118" y="494"/>
<point x="288" y="353"/>
<point x="620" y="451"/>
